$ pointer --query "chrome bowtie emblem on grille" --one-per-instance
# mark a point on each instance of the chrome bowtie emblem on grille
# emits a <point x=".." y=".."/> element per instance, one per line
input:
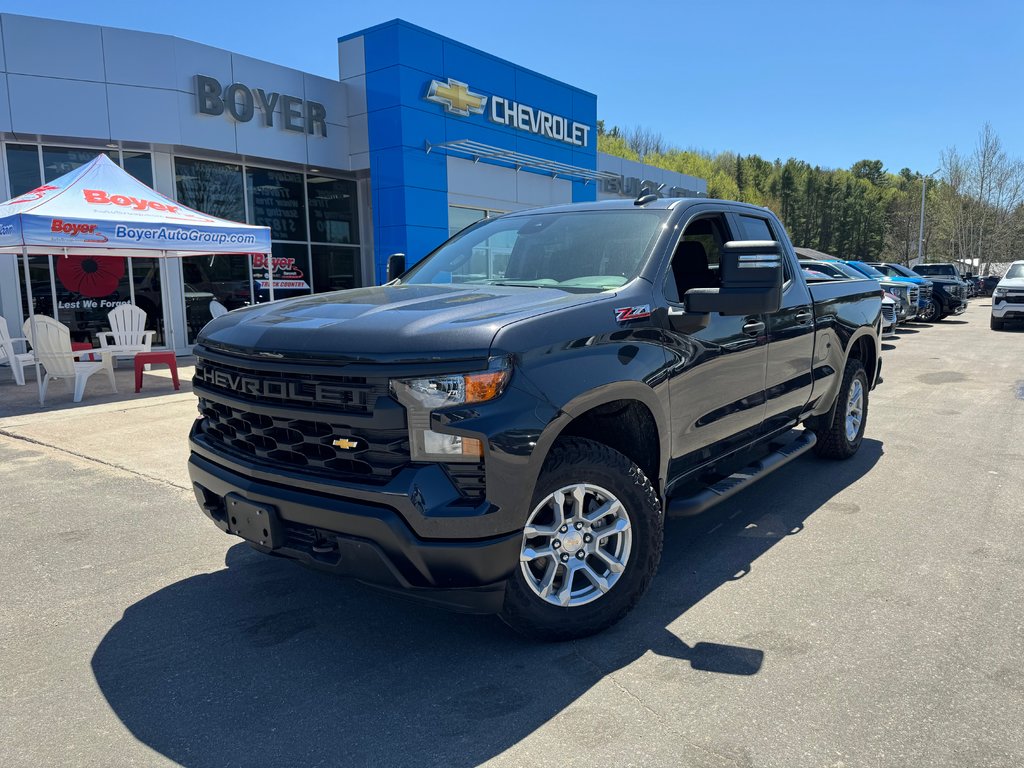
<point x="345" y="443"/>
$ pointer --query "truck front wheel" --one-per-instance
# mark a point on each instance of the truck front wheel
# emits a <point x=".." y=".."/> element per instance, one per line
<point x="841" y="438"/>
<point x="590" y="546"/>
<point x="932" y="312"/>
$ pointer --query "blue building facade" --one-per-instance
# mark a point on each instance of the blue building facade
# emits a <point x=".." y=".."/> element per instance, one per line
<point x="433" y="104"/>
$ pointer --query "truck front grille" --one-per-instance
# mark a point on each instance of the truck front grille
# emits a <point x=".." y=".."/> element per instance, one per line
<point x="304" y="444"/>
<point x="913" y="295"/>
<point x="889" y="312"/>
<point x="288" y="416"/>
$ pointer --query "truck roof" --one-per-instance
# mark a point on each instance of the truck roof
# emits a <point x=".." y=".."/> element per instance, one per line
<point x="661" y="203"/>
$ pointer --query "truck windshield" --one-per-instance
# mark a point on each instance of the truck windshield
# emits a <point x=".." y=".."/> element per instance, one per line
<point x="846" y="270"/>
<point x="897" y="270"/>
<point x="575" y="251"/>
<point x="869" y="271"/>
<point x="1015" y="270"/>
<point x="936" y="269"/>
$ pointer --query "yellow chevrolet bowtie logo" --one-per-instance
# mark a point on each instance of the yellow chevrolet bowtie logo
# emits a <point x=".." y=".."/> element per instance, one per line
<point x="345" y="444"/>
<point x="456" y="97"/>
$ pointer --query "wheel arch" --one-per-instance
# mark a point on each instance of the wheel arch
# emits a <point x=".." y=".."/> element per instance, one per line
<point x="864" y="347"/>
<point x="625" y="416"/>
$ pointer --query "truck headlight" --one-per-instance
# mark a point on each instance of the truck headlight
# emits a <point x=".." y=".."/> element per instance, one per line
<point x="423" y="396"/>
<point x="998" y="293"/>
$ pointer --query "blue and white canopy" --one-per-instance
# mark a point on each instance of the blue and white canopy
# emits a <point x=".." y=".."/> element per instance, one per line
<point x="101" y="209"/>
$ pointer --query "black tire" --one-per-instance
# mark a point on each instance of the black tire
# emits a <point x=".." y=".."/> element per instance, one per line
<point x="995" y="325"/>
<point x="833" y="442"/>
<point x="572" y="461"/>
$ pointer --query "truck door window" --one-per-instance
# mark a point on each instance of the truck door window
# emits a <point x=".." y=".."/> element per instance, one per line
<point x="695" y="260"/>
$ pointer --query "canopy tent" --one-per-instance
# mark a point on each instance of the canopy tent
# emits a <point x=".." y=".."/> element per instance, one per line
<point x="102" y="210"/>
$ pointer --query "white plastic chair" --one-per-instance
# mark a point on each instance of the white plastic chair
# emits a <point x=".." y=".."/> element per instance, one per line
<point x="8" y="356"/>
<point x="127" y="335"/>
<point x="217" y="309"/>
<point x="52" y="344"/>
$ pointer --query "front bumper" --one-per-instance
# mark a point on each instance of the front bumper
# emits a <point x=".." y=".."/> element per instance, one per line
<point x="365" y="538"/>
<point x="1004" y="310"/>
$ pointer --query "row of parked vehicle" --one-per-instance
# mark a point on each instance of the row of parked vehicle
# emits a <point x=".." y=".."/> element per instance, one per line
<point x="928" y="292"/>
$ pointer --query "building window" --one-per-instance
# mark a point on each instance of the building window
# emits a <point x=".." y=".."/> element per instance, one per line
<point x="332" y="210"/>
<point x="335" y="268"/>
<point x="23" y="168"/>
<point x="224" y="277"/>
<point x="139" y="165"/>
<point x="60" y="160"/>
<point x="277" y="200"/>
<point x="213" y="188"/>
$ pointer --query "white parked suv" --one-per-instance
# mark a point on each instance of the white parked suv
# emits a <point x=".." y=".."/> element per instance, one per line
<point x="1008" y="297"/>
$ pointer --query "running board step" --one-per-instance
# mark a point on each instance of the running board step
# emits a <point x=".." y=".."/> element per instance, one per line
<point x="729" y="486"/>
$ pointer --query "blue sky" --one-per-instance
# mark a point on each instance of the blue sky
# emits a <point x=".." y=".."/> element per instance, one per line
<point x="829" y="83"/>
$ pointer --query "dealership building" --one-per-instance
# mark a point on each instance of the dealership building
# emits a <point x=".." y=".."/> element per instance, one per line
<point x="418" y="137"/>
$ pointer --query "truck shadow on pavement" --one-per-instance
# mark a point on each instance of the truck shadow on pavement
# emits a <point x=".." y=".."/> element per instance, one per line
<point x="266" y="663"/>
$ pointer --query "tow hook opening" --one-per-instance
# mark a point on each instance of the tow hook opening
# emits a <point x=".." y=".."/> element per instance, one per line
<point x="211" y="503"/>
<point x="324" y="546"/>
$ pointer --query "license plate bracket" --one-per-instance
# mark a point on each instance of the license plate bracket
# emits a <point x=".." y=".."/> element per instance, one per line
<point x="258" y="523"/>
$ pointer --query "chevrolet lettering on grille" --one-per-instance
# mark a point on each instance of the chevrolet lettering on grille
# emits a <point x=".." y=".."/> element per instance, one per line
<point x="282" y="389"/>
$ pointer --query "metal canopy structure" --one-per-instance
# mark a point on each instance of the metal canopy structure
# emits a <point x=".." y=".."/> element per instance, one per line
<point x="476" y="151"/>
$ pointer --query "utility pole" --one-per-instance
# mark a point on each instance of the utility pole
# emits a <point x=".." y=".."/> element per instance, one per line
<point x="920" y="235"/>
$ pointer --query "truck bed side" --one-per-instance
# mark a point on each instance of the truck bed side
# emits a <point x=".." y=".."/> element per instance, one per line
<point x="846" y="313"/>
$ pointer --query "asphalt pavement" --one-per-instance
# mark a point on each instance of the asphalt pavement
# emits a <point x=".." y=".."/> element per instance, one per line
<point x="859" y="613"/>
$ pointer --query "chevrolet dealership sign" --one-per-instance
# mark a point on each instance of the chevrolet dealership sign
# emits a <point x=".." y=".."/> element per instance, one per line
<point x="458" y="99"/>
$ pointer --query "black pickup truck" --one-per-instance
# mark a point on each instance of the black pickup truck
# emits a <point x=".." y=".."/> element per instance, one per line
<point x="504" y="427"/>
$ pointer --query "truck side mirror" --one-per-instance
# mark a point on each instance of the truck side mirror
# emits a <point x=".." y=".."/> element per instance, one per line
<point x="751" y="277"/>
<point x="396" y="265"/>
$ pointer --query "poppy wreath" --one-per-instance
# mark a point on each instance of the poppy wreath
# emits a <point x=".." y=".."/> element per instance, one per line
<point x="91" y="276"/>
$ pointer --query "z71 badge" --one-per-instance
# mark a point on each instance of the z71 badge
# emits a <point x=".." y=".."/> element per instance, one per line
<point x="622" y="314"/>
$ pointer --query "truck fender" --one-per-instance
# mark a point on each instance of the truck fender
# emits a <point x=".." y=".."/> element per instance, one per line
<point x="606" y="394"/>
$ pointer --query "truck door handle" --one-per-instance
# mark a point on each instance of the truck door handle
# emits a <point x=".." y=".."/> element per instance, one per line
<point x="804" y="316"/>
<point x="753" y="328"/>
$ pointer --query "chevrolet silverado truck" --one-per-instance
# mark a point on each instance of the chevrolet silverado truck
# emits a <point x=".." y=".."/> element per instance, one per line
<point x="1008" y="297"/>
<point x="505" y="426"/>
<point x="949" y="293"/>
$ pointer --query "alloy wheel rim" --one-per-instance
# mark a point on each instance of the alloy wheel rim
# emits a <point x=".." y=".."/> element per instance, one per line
<point x="576" y="545"/>
<point x="854" y="410"/>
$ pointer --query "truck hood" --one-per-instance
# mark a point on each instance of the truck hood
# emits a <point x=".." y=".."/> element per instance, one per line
<point x="402" y="323"/>
<point x="914" y="280"/>
<point x="1011" y="282"/>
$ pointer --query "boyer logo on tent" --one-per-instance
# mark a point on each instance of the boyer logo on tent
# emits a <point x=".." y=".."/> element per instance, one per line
<point x="75" y="229"/>
<point x="99" y="197"/>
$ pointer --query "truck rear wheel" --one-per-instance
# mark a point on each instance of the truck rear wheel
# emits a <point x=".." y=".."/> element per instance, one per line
<point x="841" y="438"/>
<point x="590" y="547"/>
